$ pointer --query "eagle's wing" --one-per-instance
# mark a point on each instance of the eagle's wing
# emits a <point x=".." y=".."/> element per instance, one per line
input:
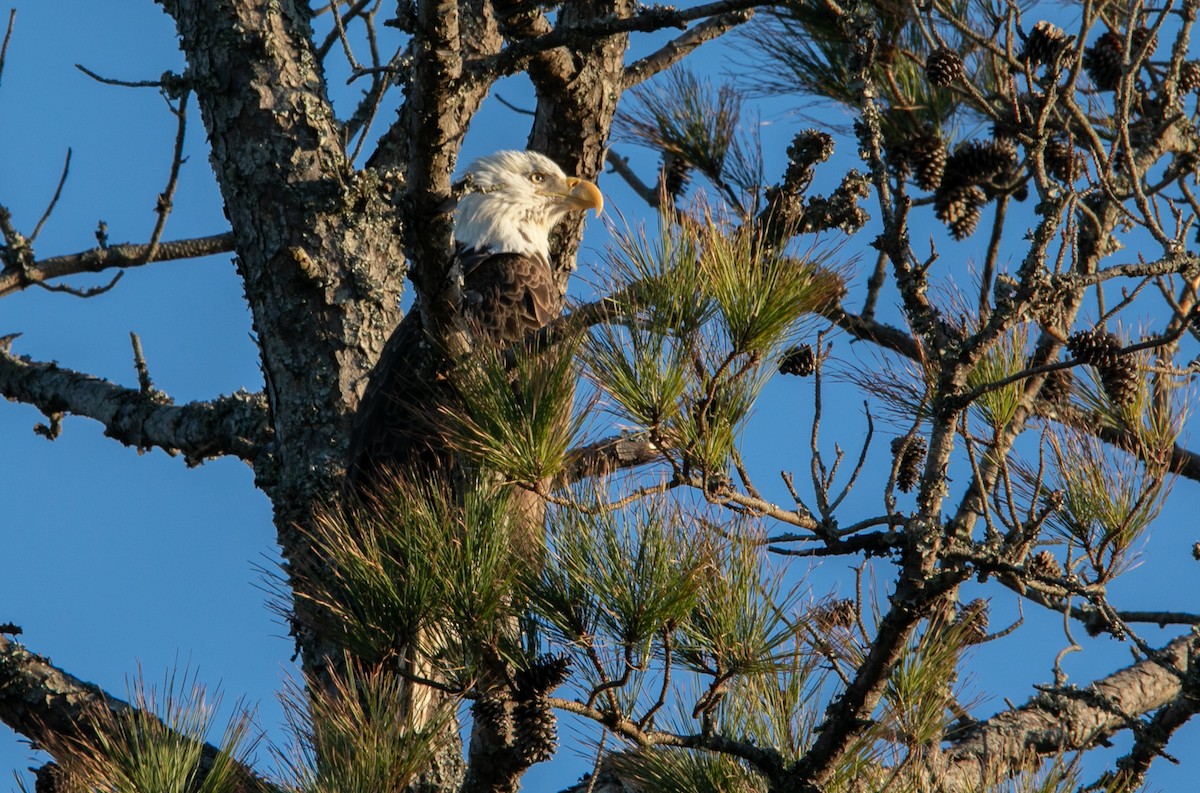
<point x="390" y="428"/>
<point x="508" y="295"/>
<point x="505" y="297"/>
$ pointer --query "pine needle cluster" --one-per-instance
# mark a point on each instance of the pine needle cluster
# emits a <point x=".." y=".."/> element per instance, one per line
<point x="675" y="770"/>
<point x="155" y="745"/>
<point x="711" y="311"/>
<point x="354" y="732"/>
<point x="423" y="562"/>
<point x="695" y="125"/>
<point x="514" y="410"/>
<point x="625" y="575"/>
<point x="1110" y="499"/>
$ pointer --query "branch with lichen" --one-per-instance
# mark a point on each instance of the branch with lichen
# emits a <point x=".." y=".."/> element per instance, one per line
<point x="1055" y="722"/>
<point x="647" y="19"/>
<point x="234" y="425"/>
<point x="106" y="257"/>
<point x="55" y="709"/>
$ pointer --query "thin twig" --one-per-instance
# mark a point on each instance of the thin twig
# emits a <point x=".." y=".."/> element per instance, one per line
<point x="62" y="180"/>
<point x="165" y="199"/>
<point x="91" y="291"/>
<point x="145" y="384"/>
<point x="102" y="258"/>
<point x="122" y="83"/>
<point x="599" y="758"/>
<point x="993" y="251"/>
<point x="522" y="110"/>
<point x="340" y="30"/>
<point x="620" y="166"/>
<point x="862" y="460"/>
<point x="12" y="18"/>
<point x="353" y="11"/>
<point x="648" y="717"/>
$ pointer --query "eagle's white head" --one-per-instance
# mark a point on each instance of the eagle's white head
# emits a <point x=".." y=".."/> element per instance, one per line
<point x="514" y="200"/>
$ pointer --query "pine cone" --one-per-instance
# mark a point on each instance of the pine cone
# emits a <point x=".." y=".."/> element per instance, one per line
<point x="50" y="778"/>
<point x="800" y="361"/>
<point x="960" y="209"/>
<point x="1102" y="61"/>
<point x="676" y="174"/>
<point x="1095" y="347"/>
<point x="927" y="155"/>
<point x="973" y="618"/>
<point x="1063" y="162"/>
<point x="1044" y="565"/>
<point x="1141" y="36"/>
<point x="1056" y="388"/>
<point x="1120" y="380"/>
<point x="908" y="471"/>
<point x="536" y="732"/>
<point x="1118" y="373"/>
<point x="943" y="67"/>
<point x="1045" y="43"/>
<point x="838" y="614"/>
<point x="541" y="677"/>
<point x="492" y="711"/>
<point x="1189" y="76"/>
<point x="977" y="162"/>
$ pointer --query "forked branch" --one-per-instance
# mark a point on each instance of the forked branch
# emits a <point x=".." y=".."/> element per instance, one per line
<point x="234" y="425"/>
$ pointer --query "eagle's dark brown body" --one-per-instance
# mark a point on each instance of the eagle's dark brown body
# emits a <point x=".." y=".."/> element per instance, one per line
<point x="505" y="297"/>
<point x="501" y="231"/>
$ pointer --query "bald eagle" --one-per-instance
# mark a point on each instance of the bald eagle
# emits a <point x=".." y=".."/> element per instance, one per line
<point x="502" y="228"/>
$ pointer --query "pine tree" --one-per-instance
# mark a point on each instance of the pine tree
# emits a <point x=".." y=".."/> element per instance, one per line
<point x="593" y="552"/>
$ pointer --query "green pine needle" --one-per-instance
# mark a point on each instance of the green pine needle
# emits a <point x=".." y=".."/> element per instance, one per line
<point x="515" y="418"/>
<point x="740" y="625"/>
<point x="685" y="116"/>
<point x="157" y="745"/>
<point x="625" y="574"/>
<point x="419" y="556"/>
<point x="674" y="770"/>
<point x="355" y="733"/>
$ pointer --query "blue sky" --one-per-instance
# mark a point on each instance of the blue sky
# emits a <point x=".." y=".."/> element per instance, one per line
<point x="113" y="559"/>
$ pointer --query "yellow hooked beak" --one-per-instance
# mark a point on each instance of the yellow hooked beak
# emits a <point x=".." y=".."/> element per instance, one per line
<point x="584" y="195"/>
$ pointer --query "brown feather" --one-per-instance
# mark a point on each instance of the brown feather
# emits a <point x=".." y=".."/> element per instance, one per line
<point x="505" y="296"/>
<point x="508" y="295"/>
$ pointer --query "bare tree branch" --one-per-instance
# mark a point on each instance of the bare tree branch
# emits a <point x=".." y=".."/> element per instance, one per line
<point x="1056" y="721"/>
<point x="12" y="18"/>
<point x="233" y="425"/>
<point x="678" y="48"/>
<point x="99" y="259"/>
<point x="647" y="19"/>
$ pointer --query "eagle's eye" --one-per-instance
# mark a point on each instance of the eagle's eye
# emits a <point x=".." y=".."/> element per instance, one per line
<point x="537" y="177"/>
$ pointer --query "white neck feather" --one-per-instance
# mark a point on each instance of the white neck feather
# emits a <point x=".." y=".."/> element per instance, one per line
<point x="484" y="220"/>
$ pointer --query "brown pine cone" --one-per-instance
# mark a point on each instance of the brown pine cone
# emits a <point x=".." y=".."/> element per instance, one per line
<point x="973" y="617"/>
<point x="943" y="67"/>
<point x="928" y="156"/>
<point x="1102" y="61"/>
<point x="1062" y="161"/>
<point x="960" y="209"/>
<point x="912" y="453"/>
<point x="800" y="361"/>
<point x="1056" y="388"/>
<point x="536" y="730"/>
<point x="1044" y="565"/>
<point x="1045" y="43"/>
<point x="1189" y="76"/>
